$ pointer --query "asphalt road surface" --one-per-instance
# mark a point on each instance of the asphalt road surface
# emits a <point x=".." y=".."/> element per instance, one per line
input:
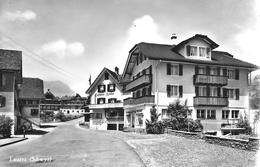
<point x="69" y="145"/>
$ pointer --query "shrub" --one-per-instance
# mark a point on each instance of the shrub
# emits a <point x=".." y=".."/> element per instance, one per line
<point x="244" y="123"/>
<point x="5" y="126"/>
<point x="154" y="126"/>
<point x="60" y="115"/>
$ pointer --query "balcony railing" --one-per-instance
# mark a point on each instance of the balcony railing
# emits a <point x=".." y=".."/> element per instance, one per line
<point x="210" y="79"/>
<point x="140" y="100"/>
<point x="115" y="118"/>
<point x="105" y="105"/>
<point x="210" y="101"/>
<point x="139" y="82"/>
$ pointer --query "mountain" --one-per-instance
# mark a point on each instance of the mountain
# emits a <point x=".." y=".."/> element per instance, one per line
<point x="58" y="88"/>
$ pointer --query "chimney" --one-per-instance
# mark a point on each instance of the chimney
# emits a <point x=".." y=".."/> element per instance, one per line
<point x="117" y="70"/>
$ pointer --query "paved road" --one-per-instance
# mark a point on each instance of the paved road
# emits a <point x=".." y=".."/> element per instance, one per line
<point x="69" y="145"/>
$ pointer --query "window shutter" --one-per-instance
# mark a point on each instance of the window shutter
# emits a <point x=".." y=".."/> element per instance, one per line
<point x="208" y="91"/>
<point x="168" y="69"/>
<point x="168" y="89"/>
<point x="196" y="69"/>
<point x="180" y="91"/>
<point x="237" y="74"/>
<point x="225" y="92"/>
<point x="188" y="50"/>
<point x="149" y="90"/>
<point x="218" y="70"/>
<point x="196" y="91"/>
<point x="219" y="92"/>
<point x="180" y="69"/>
<point x="224" y="72"/>
<point x="1" y="79"/>
<point x="208" y="70"/>
<point x="104" y="88"/>
<point x="237" y="94"/>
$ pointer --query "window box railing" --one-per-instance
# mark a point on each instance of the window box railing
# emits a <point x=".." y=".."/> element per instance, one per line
<point x="139" y="100"/>
<point x="210" y="79"/>
<point x="210" y="101"/>
<point x="139" y="82"/>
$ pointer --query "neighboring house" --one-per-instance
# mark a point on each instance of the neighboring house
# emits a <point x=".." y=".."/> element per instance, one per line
<point x="30" y="96"/>
<point x="49" y="106"/>
<point x="73" y="105"/>
<point x="213" y="84"/>
<point x="106" y="101"/>
<point x="10" y="81"/>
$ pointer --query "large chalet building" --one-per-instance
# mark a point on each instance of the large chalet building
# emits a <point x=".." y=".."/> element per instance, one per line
<point x="106" y="101"/>
<point x="213" y="84"/>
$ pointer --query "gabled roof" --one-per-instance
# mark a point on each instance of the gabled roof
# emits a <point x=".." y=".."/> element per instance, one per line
<point x="114" y="75"/>
<point x="32" y="88"/>
<point x="11" y="60"/>
<point x="197" y="36"/>
<point x="165" y="52"/>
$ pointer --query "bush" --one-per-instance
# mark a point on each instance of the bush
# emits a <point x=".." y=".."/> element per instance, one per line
<point x="243" y="123"/>
<point x="5" y="126"/>
<point x="155" y="127"/>
<point x="60" y="115"/>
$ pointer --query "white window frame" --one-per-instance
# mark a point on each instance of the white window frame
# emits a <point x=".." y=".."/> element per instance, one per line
<point x="201" y="50"/>
<point x="202" y="90"/>
<point x="232" y="95"/>
<point x="210" y="115"/>
<point x="193" y="51"/>
<point x="199" y="111"/>
<point x="225" y="115"/>
<point x="231" y="74"/>
<point x="172" y="91"/>
<point x="213" y="91"/>
<point x="233" y="114"/>
<point x="201" y="70"/>
<point x="174" y="69"/>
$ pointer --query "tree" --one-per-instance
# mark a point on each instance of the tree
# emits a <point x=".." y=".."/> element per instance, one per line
<point x="179" y="117"/>
<point x="5" y="126"/>
<point x="244" y="123"/>
<point x="154" y="126"/>
<point x="60" y="115"/>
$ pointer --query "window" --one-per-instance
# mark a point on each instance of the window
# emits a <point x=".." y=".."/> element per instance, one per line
<point x="140" y="118"/>
<point x="172" y="69"/>
<point x="97" y="115"/>
<point x="202" y="51"/>
<point x="166" y="114"/>
<point x="193" y="51"/>
<point x="202" y="91"/>
<point x="231" y="94"/>
<point x="213" y="71"/>
<point x="111" y="87"/>
<point x="101" y="100"/>
<point x="172" y="91"/>
<point x="231" y="74"/>
<point x="201" y="114"/>
<point x="201" y="70"/>
<point x="213" y="91"/>
<point x="211" y="114"/>
<point x="225" y="114"/>
<point x="112" y="100"/>
<point x="235" y="113"/>
<point x="101" y="88"/>
<point x="106" y="76"/>
<point x="2" y="101"/>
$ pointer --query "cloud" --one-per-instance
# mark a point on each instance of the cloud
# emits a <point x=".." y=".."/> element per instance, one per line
<point x="20" y="15"/>
<point x="61" y="49"/>
<point x="144" y="29"/>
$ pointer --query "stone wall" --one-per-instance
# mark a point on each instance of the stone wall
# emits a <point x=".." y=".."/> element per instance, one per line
<point x="252" y="144"/>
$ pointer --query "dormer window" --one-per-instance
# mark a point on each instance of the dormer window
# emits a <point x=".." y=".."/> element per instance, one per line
<point x="202" y="51"/>
<point x="193" y="51"/>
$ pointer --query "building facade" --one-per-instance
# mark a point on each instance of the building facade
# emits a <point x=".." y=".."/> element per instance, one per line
<point x="106" y="101"/>
<point x="10" y="82"/>
<point x="213" y="84"/>
<point x="30" y="96"/>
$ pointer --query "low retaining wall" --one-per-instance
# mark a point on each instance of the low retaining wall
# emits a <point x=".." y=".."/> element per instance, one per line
<point x="252" y="144"/>
<point x="190" y="135"/>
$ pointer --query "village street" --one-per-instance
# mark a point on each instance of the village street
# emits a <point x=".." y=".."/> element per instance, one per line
<point x="69" y="145"/>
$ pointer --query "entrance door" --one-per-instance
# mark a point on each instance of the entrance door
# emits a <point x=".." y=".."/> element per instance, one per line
<point x="86" y="117"/>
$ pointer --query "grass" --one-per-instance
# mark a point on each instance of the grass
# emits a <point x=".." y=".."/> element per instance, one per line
<point x="168" y="150"/>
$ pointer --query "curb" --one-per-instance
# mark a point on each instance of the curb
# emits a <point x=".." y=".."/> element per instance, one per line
<point x="13" y="142"/>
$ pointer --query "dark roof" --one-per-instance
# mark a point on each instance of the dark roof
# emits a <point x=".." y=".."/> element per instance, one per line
<point x="32" y="88"/>
<point x="114" y="75"/>
<point x="164" y="52"/>
<point x="11" y="60"/>
<point x="198" y="36"/>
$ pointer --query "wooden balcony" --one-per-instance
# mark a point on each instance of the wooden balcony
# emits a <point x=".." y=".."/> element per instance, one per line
<point x="211" y="101"/>
<point x="140" y="100"/>
<point x="139" y="82"/>
<point x="105" y="105"/>
<point x="210" y="79"/>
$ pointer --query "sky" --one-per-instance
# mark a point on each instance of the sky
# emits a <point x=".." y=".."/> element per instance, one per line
<point x="71" y="40"/>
